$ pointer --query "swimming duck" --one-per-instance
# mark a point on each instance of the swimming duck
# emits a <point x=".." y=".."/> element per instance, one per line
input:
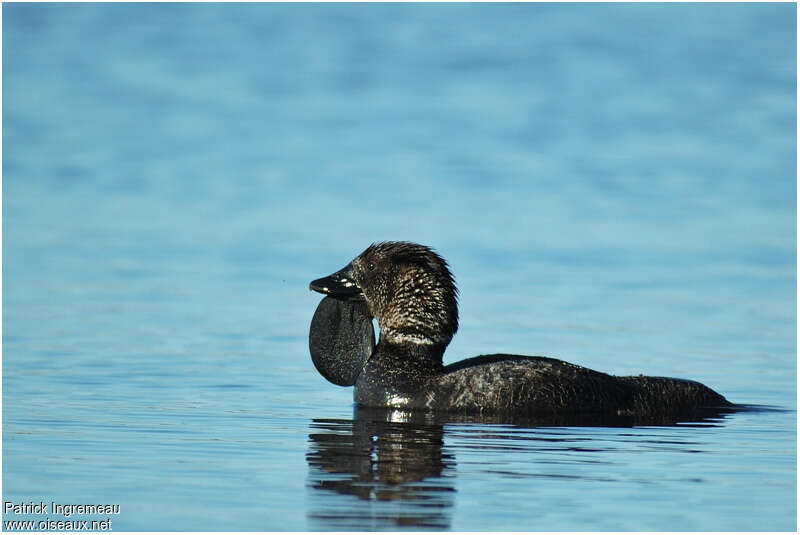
<point x="411" y="292"/>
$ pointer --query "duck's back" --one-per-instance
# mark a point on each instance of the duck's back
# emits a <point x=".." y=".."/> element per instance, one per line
<point x="535" y="385"/>
<point x="541" y="385"/>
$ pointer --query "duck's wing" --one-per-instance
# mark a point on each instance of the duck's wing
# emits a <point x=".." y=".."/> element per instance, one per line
<point x="541" y="386"/>
<point x="532" y="385"/>
<point x="341" y="339"/>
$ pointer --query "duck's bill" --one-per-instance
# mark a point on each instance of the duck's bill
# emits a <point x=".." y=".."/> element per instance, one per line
<point x="339" y="284"/>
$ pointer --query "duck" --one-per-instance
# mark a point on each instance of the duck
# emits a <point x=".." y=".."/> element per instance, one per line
<point x="410" y="291"/>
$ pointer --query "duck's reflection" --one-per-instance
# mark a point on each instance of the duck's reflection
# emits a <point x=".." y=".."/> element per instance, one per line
<point x="397" y="465"/>
<point x="381" y="457"/>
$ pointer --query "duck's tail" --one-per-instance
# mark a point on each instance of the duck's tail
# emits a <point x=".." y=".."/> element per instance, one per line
<point x="677" y="397"/>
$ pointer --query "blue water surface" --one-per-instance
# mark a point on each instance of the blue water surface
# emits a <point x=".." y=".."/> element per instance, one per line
<point x="612" y="184"/>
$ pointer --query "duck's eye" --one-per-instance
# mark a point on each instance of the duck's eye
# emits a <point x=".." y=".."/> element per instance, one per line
<point x="371" y="266"/>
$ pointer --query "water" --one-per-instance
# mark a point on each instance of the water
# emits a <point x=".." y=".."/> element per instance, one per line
<point x="613" y="185"/>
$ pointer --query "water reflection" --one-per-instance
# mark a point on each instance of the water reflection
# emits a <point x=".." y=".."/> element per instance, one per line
<point x="400" y="472"/>
<point x="381" y="457"/>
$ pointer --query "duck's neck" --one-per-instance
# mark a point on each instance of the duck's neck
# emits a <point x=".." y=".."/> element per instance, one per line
<point x="425" y="358"/>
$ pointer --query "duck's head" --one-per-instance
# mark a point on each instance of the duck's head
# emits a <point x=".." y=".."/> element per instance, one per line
<point x="408" y="288"/>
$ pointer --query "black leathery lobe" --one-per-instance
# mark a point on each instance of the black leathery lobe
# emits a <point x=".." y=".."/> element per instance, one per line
<point x="341" y="339"/>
